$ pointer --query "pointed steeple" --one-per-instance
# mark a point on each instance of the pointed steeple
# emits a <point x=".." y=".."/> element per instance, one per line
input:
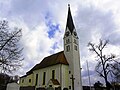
<point x="70" y="24"/>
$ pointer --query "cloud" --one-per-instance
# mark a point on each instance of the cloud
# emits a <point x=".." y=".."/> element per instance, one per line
<point x="5" y="11"/>
<point x="94" y="23"/>
<point x="90" y="20"/>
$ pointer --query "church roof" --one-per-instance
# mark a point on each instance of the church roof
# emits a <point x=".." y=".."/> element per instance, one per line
<point x="70" y="24"/>
<point x="58" y="58"/>
<point x="55" y="81"/>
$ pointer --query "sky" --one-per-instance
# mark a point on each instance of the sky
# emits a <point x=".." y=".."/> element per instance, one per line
<point x="43" y="25"/>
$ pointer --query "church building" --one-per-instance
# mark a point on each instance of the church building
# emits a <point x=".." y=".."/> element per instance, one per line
<point x="59" y="71"/>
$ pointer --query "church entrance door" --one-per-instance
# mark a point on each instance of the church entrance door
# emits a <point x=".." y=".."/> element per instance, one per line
<point x="50" y="88"/>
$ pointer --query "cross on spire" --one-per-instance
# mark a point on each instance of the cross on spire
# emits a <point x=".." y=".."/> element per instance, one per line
<point x="72" y="78"/>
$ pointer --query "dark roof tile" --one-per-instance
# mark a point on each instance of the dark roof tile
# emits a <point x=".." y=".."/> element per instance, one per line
<point x="58" y="58"/>
<point x="55" y="81"/>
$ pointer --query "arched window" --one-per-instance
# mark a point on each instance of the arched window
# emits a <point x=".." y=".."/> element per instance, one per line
<point x="68" y="48"/>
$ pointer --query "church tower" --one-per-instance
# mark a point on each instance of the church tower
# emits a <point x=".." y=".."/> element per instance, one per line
<point x="71" y="51"/>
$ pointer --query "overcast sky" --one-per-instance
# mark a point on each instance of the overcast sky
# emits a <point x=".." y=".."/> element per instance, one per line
<point x="43" y="24"/>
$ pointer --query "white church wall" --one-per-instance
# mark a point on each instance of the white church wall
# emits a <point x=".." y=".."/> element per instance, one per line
<point x="48" y="71"/>
<point x="61" y="71"/>
<point x="65" y="76"/>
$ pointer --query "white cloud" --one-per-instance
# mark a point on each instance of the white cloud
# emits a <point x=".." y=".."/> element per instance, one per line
<point x="5" y="11"/>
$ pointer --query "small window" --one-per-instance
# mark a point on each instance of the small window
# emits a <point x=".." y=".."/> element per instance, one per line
<point x="69" y="87"/>
<point x="75" y="41"/>
<point x="36" y="79"/>
<point x="69" y="72"/>
<point x="67" y="41"/>
<point x="29" y="80"/>
<point x="75" y="47"/>
<point x="68" y="48"/>
<point x="44" y="75"/>
<point x="53" y="74"/>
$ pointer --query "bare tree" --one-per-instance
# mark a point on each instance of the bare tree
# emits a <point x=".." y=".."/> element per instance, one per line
<point x="10" y="49"/>
<point x="115" y="72"/>
<point x="105" y="61"/>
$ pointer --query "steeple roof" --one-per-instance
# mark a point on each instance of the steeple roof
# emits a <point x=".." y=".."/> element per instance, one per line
<point x="70" y="24"/>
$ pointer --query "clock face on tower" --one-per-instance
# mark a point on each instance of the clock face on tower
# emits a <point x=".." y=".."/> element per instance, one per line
<point x="67" y="33"/>
<point x="75" y="33"/>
